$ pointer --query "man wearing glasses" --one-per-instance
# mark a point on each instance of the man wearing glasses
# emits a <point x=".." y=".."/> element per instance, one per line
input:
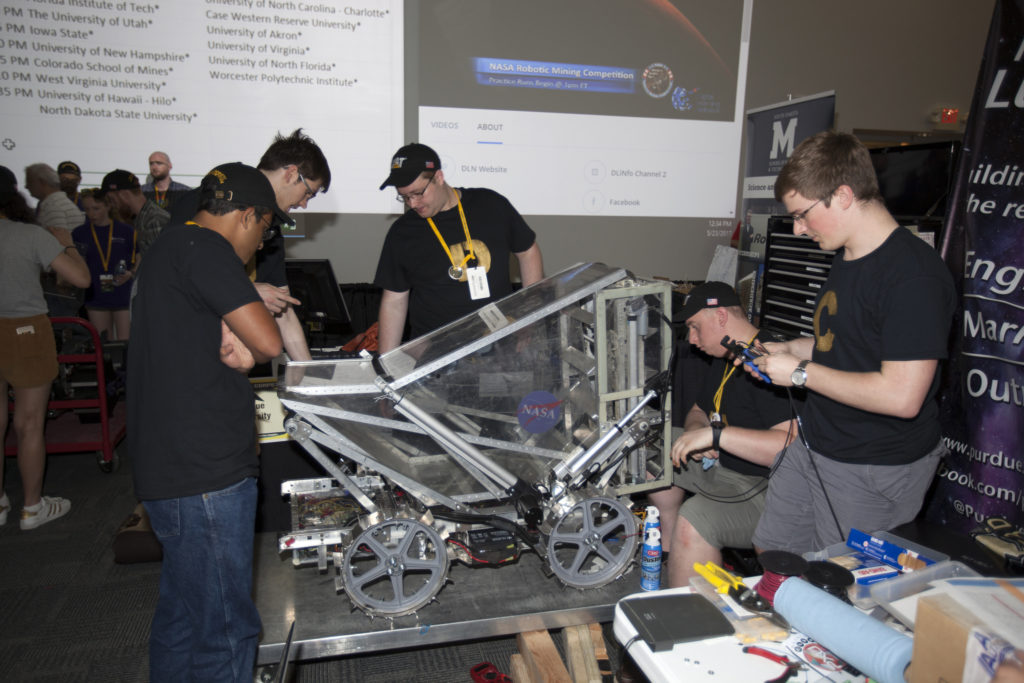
<point x="298" y="171"/>
<point x="449" y="254"/>
<point x="869" y="442"/>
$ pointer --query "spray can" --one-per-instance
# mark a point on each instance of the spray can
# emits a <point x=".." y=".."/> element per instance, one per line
<point x="650" y="553"/>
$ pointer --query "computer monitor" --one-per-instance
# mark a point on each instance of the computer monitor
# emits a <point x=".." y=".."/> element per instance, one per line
<point x="915" y="180"/>
<point x="323" y="313"/>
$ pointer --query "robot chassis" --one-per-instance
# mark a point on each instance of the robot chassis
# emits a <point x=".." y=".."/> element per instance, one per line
<point x="524" y="426"/>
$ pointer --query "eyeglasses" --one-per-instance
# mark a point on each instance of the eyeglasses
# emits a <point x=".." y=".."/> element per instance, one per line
<point x="801" y="216"/>
<point x="269" y="231"/>
<point x="310" y="193"/>
<point x="405" y="198"/>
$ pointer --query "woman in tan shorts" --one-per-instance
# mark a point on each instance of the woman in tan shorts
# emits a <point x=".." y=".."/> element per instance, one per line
<point x="28" y="354"/>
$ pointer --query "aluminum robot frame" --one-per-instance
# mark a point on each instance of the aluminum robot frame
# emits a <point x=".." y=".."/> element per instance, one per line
<point x="524" y="426"/>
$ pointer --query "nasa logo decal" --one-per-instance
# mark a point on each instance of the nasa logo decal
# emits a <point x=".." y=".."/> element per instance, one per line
<point x="538" y="412"/>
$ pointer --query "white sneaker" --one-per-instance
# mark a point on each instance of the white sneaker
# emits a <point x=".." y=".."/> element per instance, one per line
<point x="50" y="509"/>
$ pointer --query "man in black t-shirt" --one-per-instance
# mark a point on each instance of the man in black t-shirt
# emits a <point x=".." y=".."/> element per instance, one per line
<point x="729" y="440"/>
<point x="449" y="254"/>
<point x="871" y="434"/>
<point x="198" y="326"/>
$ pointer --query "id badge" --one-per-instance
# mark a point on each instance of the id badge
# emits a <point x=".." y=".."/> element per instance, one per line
<point x="477" y="278"/>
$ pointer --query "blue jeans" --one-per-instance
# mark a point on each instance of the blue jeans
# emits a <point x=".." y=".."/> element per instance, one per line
<point x="206" y="626"/>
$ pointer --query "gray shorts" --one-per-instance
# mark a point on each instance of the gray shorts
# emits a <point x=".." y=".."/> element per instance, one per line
<point x="722" y="504"/>
<point x="870" y="498"/>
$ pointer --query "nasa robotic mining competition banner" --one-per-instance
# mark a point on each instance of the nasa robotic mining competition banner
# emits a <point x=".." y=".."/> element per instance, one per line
<point x="981" y="482"/>
<point x="773" y="132"/>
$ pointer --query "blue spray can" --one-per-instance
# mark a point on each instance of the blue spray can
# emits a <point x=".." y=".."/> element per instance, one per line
<point x="650" y="553"/>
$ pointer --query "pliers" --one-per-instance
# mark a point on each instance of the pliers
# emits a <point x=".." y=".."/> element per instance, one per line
<point x="733" y="585"/>
<point x="791" y="666"/>
<point x="485" y="672"/>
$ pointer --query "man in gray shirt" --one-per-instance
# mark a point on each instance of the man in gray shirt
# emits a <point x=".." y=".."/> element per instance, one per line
<point x="54" y="210"/>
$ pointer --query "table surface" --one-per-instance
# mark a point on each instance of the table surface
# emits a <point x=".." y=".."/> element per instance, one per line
<point x="476" y="603"/>
<point x="722" y="659"/>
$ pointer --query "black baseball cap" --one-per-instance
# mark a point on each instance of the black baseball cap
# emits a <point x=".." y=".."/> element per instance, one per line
<point x="118" y="180"/>
<point x="408" y="162"/>
<point x="241" y="184"/>
<point x="707" y="295"/>
<point x="8" y="183"/>
<point x="69" y="167"/>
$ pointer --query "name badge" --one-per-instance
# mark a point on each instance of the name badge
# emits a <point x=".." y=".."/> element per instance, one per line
<point x="478" y="287"/>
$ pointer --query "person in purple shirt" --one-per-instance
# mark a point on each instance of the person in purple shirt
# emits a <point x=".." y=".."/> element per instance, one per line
<point x="109" y="248"/>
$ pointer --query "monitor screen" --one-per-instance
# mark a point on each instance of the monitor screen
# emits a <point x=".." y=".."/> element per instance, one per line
<point x="915" y="179"/>
<point x="322" y="312"/>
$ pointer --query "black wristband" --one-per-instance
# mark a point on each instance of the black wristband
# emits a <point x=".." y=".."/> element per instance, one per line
<point x="716" y="434"/>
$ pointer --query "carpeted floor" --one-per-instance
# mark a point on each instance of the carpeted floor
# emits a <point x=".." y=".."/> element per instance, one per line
<point x="69" y="613"/>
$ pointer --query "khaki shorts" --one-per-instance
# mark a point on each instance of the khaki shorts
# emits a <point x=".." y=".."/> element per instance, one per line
<point x="28" y="352"/>
<point x="722" y="504"/>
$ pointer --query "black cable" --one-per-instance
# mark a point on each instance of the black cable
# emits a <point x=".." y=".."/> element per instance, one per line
<point x="814" y="466"/>
<point x="625" y="648"/>
<point x="743" y="497"/>
<point x="494" y="520"/>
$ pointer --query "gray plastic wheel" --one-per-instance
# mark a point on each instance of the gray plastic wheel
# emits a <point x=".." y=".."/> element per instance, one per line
<point x="593" y="543"/>
<point x="395" y="567"/>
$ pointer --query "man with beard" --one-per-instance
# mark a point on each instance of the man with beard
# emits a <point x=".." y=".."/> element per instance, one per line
<point x="161" y="188"/>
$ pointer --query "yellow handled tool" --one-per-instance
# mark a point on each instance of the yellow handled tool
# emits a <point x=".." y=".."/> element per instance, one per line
<point x="731" y="584"/>
<point x="718" y="577"/>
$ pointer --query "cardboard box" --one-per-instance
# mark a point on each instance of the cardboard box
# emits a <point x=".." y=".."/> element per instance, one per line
<point x="945" y="635"/>
<point x="940" y="640"/>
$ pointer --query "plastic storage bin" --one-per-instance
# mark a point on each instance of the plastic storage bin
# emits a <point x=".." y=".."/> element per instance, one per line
<point x="861" y="594"/>
<point x="889" y="594"/>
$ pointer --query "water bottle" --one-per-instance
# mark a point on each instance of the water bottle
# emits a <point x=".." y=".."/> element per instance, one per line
<point x="650" y="554"/>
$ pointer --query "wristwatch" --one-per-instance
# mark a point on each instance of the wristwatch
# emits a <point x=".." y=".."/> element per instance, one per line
<point x="799" y="376"/>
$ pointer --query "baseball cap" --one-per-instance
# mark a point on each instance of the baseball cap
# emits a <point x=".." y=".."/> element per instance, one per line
<point x="8" y="183"/>
<point x="707" y="295"/>
<point x="119" y="180"/>
<point x="241" y="184"/>
<point x="69" y="167"/>
<point x="408" y="162"/>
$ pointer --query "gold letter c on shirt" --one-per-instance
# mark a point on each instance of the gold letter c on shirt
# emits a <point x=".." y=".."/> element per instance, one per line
<point x="828" y="302"/>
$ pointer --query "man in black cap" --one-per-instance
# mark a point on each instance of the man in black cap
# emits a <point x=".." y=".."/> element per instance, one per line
<point x="198" y="326"/>
<point x="70" y="178"/>
<point x="124" y="193"/>
<point x="730" y="437"/>
<point x="449" y="254"/>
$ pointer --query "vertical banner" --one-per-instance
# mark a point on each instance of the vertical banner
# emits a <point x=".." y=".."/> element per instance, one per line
<point x="773" y="132"/>
<point x="980" y="483"/>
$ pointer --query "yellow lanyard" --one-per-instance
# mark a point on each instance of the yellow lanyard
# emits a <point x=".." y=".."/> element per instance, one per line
<point x="104" y="259"/>
<point x="455" y="272"/>
<point x="726" y="374"/>
<point x="159" y="197"/>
